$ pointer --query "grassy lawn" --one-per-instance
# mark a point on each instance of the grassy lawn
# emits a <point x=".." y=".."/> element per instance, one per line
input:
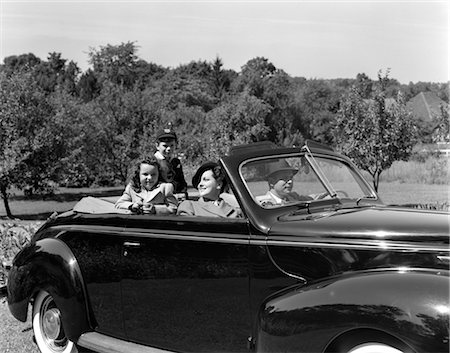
<point x="405" y="193"/>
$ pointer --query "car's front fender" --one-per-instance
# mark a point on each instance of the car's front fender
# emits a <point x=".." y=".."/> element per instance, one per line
<point x="49" y="265"/>
<point x="412" y="306"/>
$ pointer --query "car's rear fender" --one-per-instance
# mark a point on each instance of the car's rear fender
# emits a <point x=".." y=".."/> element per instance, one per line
<point x="411" y="305"/>
<point x="49" y="265"/>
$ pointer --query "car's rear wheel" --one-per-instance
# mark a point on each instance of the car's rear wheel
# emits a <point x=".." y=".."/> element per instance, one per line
<point x="373" y="348"/>
<point x="47" y="326"/>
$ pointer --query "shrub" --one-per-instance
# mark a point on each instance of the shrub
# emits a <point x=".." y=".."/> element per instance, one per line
<point x="13" y="237"/>
<point x="436" y="206"/>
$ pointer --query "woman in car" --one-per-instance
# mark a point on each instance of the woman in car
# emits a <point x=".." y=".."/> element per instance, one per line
<point x="210" y="182"/>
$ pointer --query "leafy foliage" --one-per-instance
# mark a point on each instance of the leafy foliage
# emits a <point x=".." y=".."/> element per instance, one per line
<point x="13" y="237"/>
<point x="238" y="121"/>
<point x="441" y="132"/>
<point x="374" y="133"/>
<point x="29" y="150"/>
<point x="63" y="127"/>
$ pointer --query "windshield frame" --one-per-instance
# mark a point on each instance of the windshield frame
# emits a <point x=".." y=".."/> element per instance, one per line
<point x="321" y="176"/>
<point x="312" y="161"/>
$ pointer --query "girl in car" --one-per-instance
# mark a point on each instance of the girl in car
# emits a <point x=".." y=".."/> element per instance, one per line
<point x="147" y="193"/>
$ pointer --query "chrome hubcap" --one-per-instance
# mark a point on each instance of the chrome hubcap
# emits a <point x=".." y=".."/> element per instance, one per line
<point x="51" y="323"/>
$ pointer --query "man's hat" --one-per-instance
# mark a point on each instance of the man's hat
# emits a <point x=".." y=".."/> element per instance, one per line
<point x="279" y="165"/>
<point x="166" y="134"/>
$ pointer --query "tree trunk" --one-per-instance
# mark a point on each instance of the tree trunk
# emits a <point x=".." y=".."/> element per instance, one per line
<point x="4" y="194"/>
<point x="376" y="180"/>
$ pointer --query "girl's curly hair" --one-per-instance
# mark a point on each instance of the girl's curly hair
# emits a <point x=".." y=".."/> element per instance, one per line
<point x="135" y="181"/>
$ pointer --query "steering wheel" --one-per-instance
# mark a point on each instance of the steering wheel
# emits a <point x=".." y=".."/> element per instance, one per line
<point x="342" y="192"/>
<point x="326" y="195"/>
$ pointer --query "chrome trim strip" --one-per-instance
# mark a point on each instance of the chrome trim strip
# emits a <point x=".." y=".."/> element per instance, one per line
<point x="105" y="344"/>
<point x="444" y="258"/>
<point x="379" y="245"/>
<point x="194" y="236"/>
<point x="285" y="272"/>
<point x="91" y="228"/>
<point x="361" y="244"/>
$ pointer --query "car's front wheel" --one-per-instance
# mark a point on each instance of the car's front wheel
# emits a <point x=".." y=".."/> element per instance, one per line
<point x="48" y="328"/>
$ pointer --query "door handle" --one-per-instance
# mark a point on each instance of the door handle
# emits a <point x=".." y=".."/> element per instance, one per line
<point x="444" y="258"/>
<point x="132" y="244"/>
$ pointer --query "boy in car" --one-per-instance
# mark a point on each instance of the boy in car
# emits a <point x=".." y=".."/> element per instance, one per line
<point x="171" y="168"/>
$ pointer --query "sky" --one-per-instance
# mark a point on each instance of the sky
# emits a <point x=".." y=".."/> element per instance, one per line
<point x="311" y="39"/>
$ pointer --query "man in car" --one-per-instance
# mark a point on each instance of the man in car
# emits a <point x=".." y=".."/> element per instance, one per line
<point x="280" y="179"/>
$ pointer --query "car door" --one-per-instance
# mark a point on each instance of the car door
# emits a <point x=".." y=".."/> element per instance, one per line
<point x="98" y="250"/>
<point x="185" y="283"/>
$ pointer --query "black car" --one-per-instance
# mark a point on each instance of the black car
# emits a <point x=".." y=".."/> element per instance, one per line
<point x="330" y="270"/>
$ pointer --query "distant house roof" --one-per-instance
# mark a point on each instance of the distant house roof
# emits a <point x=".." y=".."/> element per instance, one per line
<point x="424" y="105"/>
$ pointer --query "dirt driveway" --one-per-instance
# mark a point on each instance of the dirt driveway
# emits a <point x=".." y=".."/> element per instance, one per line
<point x="15" y="336"/>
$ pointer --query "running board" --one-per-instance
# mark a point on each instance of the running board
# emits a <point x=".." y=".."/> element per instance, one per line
<point x="106" y="344"/>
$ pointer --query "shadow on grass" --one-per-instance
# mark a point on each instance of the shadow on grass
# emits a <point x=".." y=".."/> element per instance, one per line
<point x="69" y="195"/>
<point x="40" y="207"/>
<point x="29" y="217"/>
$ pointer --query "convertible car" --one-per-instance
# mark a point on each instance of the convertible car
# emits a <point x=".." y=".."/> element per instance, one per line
<point x="328" y="269"/>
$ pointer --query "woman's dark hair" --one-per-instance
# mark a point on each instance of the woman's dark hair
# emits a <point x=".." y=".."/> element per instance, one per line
<point x="135" y="181"/>
<point x="219" y="175"/>
<point x="217" y="171"/>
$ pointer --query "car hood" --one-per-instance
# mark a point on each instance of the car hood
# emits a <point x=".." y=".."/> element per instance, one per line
<point x="370" y="223"/>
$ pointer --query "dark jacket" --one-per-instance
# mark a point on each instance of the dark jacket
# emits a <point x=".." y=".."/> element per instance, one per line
<point x="172" y="172"/>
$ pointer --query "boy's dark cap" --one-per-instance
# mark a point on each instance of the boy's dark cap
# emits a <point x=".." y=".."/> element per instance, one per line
<point x="203" y="168"/>
<point x="166" y="134"/>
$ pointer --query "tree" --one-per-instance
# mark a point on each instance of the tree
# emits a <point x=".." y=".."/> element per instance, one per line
<point x="146" y="73"/>
<point x="74" y="131"/>
<point x="374" y="133"/>
<point x="364" y="85"/>
<point x="115" y="63"/>
<point x="188" y="86"/>
<point x="14" y="63"/>
<point x="221" y="79"/>
<point x="240" y="120"/>
<point x="116" y="119"/>
<point x="320" y="103"/>
<point x="56" y="74"/>
<point x="88" y="86"/>
<point x="27" y="146"/>
<point x="441" y="131"/>
<point x="273" y="87"/>
<point x="253" y="76"/>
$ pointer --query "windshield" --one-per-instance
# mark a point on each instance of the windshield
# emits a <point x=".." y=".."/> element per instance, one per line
<point x="283" y="180"/>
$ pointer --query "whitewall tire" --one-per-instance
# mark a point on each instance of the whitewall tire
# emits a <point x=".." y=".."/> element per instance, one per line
<point x="373" y="348"/>
<point x="47" y="326"/>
